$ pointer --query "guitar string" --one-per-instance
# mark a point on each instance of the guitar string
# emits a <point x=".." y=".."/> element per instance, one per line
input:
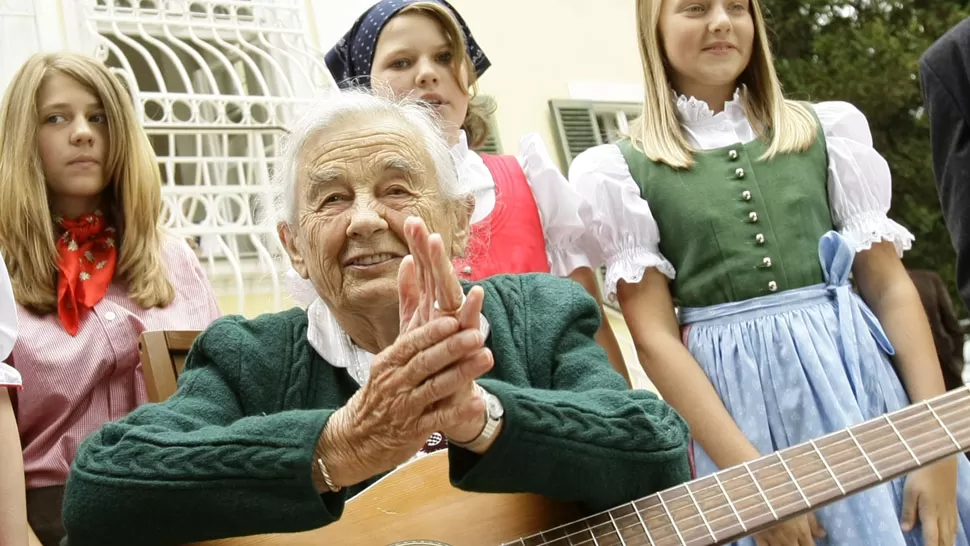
<point x="948" y="400"/>
<point x="852" y="448"/>
<point x="948" y="441"/>
<point x="826" y="470"/>
<point x="837" y="443"/>
<point x="703" y="540"/>
<point x="663" y="517"/>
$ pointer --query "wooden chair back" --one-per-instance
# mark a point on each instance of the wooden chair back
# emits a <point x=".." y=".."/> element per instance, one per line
<point x="162" y="358"/>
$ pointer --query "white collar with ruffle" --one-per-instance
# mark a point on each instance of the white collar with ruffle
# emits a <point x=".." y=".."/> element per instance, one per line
<point x="693" y="111"/>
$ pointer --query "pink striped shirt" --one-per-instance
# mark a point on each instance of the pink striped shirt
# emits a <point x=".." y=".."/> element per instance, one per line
<point x="73" y="385"/>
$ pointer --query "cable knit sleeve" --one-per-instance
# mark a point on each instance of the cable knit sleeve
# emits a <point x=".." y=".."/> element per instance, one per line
<point x="860" y="183"/>
<point x="572" y="429"/>
<point x="215" y="454"/>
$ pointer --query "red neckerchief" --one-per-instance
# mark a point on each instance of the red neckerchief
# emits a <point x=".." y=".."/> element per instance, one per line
<point x="86" y="257"/>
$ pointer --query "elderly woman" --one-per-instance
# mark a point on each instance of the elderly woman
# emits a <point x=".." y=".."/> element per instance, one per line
<point x="279" y="420"/>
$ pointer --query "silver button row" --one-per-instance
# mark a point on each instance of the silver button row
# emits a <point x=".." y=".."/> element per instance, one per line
<point x="753" y="218"/>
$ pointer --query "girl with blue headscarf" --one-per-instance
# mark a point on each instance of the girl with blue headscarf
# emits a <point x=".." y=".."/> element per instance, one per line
<point x="526" y="218"/>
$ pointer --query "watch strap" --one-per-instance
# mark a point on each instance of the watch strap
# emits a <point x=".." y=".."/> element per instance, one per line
<point x="491" y="425"/>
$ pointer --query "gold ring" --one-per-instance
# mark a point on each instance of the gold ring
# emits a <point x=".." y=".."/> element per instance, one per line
<point x="454" y="313"/>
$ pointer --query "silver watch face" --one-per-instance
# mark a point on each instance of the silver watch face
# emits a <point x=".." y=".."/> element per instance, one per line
<point x="494" y="407"/>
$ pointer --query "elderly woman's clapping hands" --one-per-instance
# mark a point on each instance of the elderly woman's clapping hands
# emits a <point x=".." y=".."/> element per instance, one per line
<point x="423" y="382"/>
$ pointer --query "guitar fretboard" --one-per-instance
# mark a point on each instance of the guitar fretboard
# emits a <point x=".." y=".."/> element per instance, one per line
<point x="738" y="501"/>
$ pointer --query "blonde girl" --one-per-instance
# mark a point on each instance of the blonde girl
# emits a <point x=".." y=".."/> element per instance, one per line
<point x="89" y="264"/>
<point x="749" y="211"/>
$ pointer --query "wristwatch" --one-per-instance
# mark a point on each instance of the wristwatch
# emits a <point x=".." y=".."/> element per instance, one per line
<point x="493" y="417"/>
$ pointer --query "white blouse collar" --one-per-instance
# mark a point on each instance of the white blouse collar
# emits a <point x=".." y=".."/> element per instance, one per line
<point x="461" y="150"/>
<point x="332" y="343"/>
<point x="694" y="111"/>
<point x="472" y="172"/>
<point x="474" y="177"/>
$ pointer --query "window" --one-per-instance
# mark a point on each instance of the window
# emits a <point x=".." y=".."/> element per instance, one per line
<point x="493" y="145"/>
<point x="582" y="125"/>
<point x="215" y="83"/>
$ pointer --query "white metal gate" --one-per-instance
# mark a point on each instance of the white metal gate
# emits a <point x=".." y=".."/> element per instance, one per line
<point x="214" y="83"/>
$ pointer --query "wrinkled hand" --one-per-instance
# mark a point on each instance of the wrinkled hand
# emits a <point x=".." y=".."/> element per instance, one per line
<point x="800" y="531"/>
<point x="421" y="384"/>
<point x="405" y="400"/>
<point x="930" y="496"/>
<point x="429" y="277"/>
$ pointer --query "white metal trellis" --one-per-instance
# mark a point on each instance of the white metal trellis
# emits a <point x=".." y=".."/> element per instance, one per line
<point x="214" y="83"/>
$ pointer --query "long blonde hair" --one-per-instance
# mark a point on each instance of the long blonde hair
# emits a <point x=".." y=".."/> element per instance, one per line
<point x="26" y="227"/>
<point x="789" y="126"/>
<point x="476" y="126"/>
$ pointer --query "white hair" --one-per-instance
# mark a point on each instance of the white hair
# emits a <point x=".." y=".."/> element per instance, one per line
<point x="336" y="109"/>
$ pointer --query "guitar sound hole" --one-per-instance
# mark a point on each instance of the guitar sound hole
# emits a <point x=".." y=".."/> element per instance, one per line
<point x="420" y="543"/>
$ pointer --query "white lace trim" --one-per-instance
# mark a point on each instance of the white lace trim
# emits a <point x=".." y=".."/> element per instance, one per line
<point x="869" y="228"/>
<point x="630" y="265"/>
<point x="563" y="261"/>
<point x="693" y="110"/>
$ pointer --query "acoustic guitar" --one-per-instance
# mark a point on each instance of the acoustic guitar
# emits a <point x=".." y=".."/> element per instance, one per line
<point x="416" y="505"/>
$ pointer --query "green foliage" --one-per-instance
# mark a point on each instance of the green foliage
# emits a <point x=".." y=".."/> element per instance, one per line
<point x="866" y="52"/>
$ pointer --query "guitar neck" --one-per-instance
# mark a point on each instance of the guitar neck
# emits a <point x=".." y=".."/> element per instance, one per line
<point x="744" y="499"/>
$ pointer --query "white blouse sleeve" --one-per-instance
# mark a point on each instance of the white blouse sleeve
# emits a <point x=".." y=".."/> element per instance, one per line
<point x="859" y="180"/>
<point x="623" y="226"/>
<point x="563" y="212"/>
<point x="9" y="377"/>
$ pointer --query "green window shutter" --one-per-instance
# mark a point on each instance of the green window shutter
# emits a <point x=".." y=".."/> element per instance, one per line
<point x="493" y="145"/>
<point x="576" y="126"/>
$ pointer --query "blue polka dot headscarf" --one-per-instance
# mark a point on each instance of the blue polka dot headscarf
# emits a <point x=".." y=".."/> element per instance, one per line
<point x="350" y="61"/>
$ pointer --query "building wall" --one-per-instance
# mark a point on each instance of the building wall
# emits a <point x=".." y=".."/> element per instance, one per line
<point x="540" y="50"/>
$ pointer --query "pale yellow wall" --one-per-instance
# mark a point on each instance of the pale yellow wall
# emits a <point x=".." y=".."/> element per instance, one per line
<point x="537" y="47"/>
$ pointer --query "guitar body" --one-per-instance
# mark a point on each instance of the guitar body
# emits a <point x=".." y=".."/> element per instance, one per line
<point x="416" y="505"/>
